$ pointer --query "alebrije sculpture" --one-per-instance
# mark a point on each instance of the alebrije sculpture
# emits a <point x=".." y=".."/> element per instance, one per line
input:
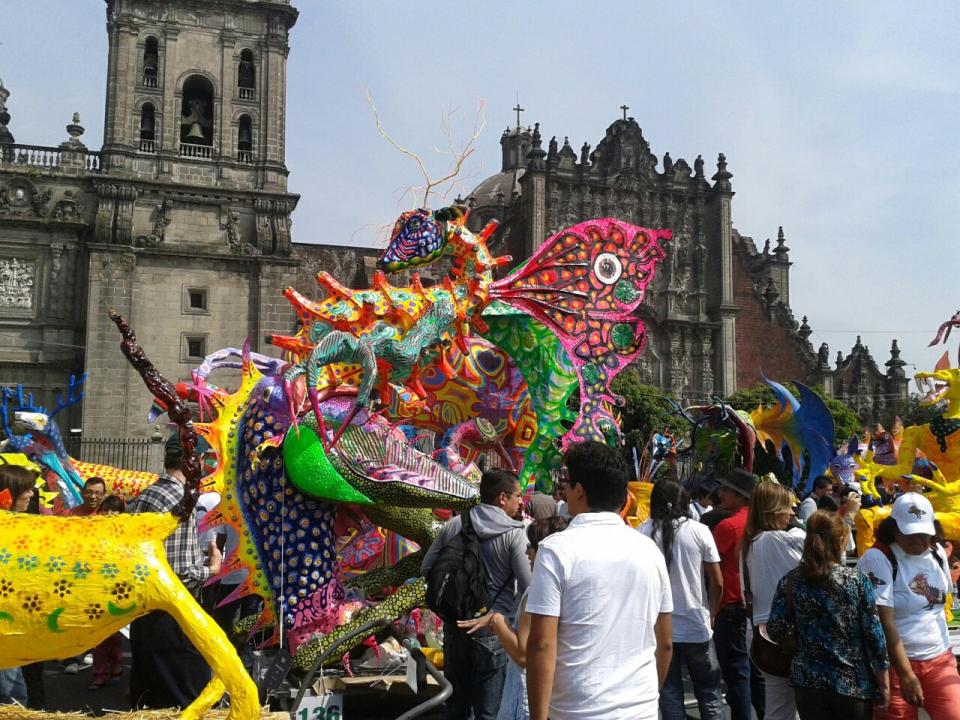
<point x="67" y="583"/>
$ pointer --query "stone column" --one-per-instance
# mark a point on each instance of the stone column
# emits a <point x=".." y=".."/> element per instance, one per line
<point x="108" y="385"/>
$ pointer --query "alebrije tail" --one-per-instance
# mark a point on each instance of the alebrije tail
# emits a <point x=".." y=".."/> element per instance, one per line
<point x="177" y="410"/>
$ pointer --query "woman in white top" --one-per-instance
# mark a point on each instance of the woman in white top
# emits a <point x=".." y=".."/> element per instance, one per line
<point x="690" y="551"/>
<point x="911" y="582"/>
<point x="769" y="552"/>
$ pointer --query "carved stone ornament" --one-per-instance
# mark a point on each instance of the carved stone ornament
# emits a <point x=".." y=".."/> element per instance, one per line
<point x="230" y="222"/>
<point x="16" y="283"/>
<point x="161" y="220"/>
<point x="21" y="198"/>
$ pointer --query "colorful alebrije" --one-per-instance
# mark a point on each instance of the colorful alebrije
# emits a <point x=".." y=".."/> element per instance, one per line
<point x="584" y="284"/>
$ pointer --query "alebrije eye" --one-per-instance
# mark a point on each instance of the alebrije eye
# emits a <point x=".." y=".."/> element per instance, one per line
<point x="607" y="268"/>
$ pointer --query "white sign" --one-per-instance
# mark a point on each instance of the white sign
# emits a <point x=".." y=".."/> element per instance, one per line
<point x="320" y="707"/>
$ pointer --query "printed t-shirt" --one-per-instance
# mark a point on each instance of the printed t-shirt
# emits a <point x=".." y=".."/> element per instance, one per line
<point x="693" y="545"/>
<point x="916" y="596"/>
<point x="607" y="584"/>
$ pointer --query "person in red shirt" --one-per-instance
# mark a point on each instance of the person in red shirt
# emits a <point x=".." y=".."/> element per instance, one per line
<point x="94" y="490"/>
<point x="744" y="683"/>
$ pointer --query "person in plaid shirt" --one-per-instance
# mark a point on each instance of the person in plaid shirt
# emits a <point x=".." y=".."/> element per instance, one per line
<point x="167" y="671"/>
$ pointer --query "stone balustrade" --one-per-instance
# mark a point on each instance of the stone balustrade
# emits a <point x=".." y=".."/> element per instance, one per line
<point x="47" y="158"/>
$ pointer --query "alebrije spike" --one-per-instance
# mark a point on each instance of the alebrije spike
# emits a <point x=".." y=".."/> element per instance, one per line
<point x="245" y="367"/>
<point x="489" y="229"/>
<point x="305" y="308"/>
<point x="417" y="284"/>
<point x="333" y="287"/>
<point x="944" y="362"/>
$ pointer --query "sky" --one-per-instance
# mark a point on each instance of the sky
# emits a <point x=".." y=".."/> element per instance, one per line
<point x="838" y="121"/>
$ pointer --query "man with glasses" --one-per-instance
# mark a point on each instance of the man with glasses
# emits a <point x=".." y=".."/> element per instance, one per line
<point x="476" y="664"/>
<point x="600" y="604"/>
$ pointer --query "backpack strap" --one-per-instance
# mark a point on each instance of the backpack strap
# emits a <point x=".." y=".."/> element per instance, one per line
<point x="466" y="522"/>
<point x="888" y="554"/>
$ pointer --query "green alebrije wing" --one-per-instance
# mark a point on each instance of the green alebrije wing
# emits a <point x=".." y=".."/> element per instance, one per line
<point x="550" y="379"/>
<point x="311" y="472"/>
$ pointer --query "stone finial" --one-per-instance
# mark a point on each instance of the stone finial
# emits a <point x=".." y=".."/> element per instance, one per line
<point x="839" y="358"/>
<point x="722" y="177"/>
<point x="858" y="345"/>
<point x="566" y="151"/>
<point x="536" y="154"/>
<point x="804" y="330"/>
<point x="895" y="364"/>
<point x="782" y="252"/>
<point x="75" y="130"/>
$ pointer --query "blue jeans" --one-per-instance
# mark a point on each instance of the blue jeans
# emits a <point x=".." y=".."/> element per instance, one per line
<point x="744" y="682"/>
<point x="700" y="660"/>
<point x="476" y="666"/>
<point x="12" y="687"/>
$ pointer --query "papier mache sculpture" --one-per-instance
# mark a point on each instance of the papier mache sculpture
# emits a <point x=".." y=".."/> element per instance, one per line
<point x="486" y="365"/>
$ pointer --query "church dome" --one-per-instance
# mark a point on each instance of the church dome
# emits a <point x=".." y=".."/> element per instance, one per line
<point x="489" y="192"/>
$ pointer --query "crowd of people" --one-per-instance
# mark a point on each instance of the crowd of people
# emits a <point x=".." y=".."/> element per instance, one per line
<point x="739" y="590"/>
<point x="742" y="591"/>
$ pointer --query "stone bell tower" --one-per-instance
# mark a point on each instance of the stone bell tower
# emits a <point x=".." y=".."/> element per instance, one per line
<point x="191" y="237"/>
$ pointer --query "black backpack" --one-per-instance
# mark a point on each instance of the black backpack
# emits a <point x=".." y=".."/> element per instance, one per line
<point x="457" y="581"/>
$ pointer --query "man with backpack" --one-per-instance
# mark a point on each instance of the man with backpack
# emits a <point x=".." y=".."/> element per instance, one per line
<point x="476" y="565"/>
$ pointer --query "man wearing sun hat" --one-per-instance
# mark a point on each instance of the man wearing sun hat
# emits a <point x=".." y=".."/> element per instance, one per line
<point x="744" y="683"/>
<point x="911" y="582"/>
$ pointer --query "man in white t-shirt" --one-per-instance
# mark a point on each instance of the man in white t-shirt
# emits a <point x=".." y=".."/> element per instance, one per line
<point x="600" y="604"/>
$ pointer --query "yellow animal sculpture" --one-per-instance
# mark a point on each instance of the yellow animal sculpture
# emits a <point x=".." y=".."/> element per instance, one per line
<point x="68" y="583"/>
<point x="939" y="442"/>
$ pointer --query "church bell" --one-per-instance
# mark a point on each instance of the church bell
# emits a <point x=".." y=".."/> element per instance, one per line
<point x="196" y="132"/>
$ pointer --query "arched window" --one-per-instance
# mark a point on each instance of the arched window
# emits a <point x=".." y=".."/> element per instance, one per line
<point x="151" y="63"/>
<point x="245" y="140"/>
<point x="246" y="75"/>
<point x="148" y="128"/>
<point x="196" y="117"/>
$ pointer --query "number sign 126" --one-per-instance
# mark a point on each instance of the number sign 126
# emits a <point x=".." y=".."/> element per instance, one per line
<point x="320" y="707"/>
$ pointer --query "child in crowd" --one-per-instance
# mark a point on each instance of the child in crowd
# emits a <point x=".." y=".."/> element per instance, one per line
<point x="108" y="655"/>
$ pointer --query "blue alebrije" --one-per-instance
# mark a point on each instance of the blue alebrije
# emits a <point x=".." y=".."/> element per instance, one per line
<point x="277" y="514"/>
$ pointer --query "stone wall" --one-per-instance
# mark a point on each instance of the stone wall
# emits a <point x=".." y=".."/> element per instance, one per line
<point x="764" y="342"/>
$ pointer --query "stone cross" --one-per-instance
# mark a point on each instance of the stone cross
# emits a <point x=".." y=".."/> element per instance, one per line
<point x="518" y="110"/>
<point x="624" y="108"/>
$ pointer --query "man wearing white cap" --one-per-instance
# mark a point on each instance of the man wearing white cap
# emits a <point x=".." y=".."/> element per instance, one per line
<point x="911" y="582"/>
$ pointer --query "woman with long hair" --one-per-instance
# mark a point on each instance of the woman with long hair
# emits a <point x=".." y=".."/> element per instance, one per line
<point x="17" y="488"/>
<point x="513" y="638"/>
<point x="690" y="552"/>
<point x="839" y="670"/>
<point x="911" y="582"/>
<point x="769" y="551"/>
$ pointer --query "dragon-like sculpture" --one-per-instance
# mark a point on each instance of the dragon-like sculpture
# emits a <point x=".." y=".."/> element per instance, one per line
<point x="32" y="430"/>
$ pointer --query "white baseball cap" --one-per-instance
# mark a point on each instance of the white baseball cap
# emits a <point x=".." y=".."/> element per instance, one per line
<point x="914" y="514"/>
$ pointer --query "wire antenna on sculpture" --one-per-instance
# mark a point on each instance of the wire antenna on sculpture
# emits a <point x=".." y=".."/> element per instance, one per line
<point x="459" y="155"/>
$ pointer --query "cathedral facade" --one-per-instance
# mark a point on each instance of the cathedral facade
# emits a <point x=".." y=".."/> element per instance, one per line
<point x="181" y="222"/>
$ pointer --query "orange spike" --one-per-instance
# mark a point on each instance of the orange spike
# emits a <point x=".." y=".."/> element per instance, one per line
<point x="333" y="287"/>
<point x="417" y="284"/>
<point x="305" y="308"/>
<point x="489" y="229"/>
